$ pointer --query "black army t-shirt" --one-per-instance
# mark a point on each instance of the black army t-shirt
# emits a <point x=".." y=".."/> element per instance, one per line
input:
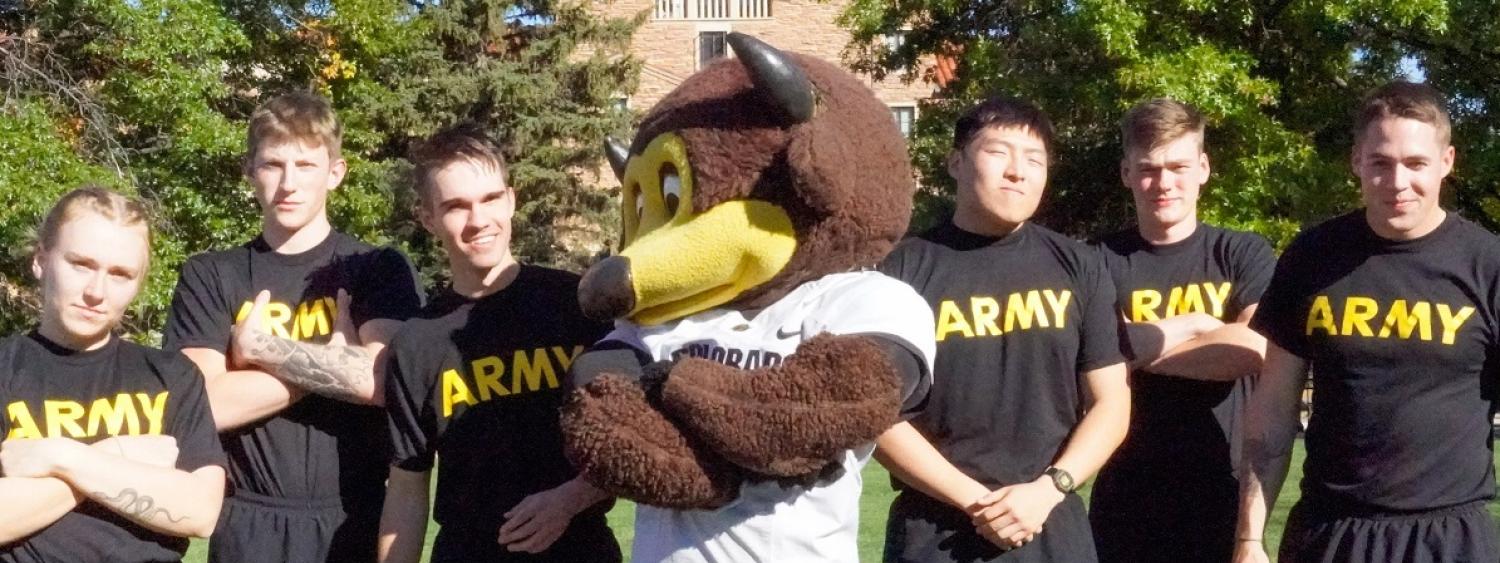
<point x="121" y="389"/>
<point x="1019" y="319"/>
<point x="1401" y="337"/>
<point x="479" y="383"/>
<point x="319" y="448"/>
<point x="1181" y="426"/>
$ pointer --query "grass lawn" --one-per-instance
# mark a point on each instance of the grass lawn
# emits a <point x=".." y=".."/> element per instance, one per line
<point x="878" y="496"/>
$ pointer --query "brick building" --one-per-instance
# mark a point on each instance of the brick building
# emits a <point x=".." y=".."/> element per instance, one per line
<point x="681" y="36"/>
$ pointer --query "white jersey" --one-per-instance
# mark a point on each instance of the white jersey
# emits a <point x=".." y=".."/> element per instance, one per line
<point x="770" y="522"/>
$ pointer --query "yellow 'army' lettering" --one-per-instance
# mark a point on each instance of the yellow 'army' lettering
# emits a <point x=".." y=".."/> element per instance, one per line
<point x="1402" y="319"/>
<point x="529" y="371"/>
<point x="311" y="318"/>
<point x="121" y="415"/>
<point x="1023" y="309"/>
<point x="1206" y="297"/>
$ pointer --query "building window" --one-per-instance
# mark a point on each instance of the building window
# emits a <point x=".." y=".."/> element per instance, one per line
<point x="620" y="103"/>
<point x="711" y="47"/>
<point x="905" y="117"/>
<point x="893" y="41"/>
<point x="706" y="10"/>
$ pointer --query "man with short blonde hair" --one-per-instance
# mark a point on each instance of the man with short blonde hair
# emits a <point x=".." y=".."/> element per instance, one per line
<point x="1186" y="291"/>
<point x="297" y="116"/>
<point x="1395" y="307"/>
<point x="1158" y="121"/>
<point x="289" y="330"/>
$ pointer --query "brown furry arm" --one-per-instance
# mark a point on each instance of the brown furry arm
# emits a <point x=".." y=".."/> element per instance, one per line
<point x="622" y="443"/>
<point x="795" y="419"/>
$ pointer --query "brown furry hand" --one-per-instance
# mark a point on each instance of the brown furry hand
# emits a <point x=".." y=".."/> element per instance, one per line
<point x="622" y="444"/>
<point x="792" y="420"/>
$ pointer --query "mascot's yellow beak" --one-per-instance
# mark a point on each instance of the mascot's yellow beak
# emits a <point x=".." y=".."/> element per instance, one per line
<point x="675" y="262"/>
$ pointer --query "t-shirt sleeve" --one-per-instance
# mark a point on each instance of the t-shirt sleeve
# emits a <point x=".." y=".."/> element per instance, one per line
<point x="388" y="288"/>
<point x="1099" y="336"/>
<point x="903" y="262"/>
<point x="878" y="304"/>
<point x="192" y="423"/>
<point x="1279" y="316"/>
<point x="1254" y="263"/>
<point x="200" y="316"/>
<point x="412" y="418"/>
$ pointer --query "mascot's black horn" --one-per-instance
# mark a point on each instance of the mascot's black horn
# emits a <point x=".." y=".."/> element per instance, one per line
<point x="617" y="154"/>
<point x="773" y="72"/>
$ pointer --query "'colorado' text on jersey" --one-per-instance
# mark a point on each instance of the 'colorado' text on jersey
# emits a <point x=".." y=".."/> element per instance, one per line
<point x="769" y="522"/>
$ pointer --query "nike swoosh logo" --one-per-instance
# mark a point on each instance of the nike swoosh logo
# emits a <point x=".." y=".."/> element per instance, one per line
<point x="783" y="334"/>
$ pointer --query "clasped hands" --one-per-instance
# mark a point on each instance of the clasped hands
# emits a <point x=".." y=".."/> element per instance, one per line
<point x="1012" y="516"/>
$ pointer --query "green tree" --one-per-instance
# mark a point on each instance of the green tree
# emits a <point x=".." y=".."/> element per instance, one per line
<point x="125" y="94"/>
<point x="1276" y="79"/>
<point x="151" y="97"/>
<point x="1464" y="61"/>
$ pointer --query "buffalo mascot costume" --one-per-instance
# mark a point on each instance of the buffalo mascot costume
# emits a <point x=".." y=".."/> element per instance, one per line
<point x="756" y="356"/>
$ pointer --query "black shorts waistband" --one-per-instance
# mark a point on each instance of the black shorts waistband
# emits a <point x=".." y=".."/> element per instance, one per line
<point x="265" y="501"/>
<point x="1327" y="511"/>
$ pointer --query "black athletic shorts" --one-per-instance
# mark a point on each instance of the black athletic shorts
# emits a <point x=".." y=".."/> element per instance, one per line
<point x="255" y="528"/>
<point x="1138" y="517"/>
<point x="1460" y="534"/>
<point x="588" y="539"/>
<point x="924" y="530"/>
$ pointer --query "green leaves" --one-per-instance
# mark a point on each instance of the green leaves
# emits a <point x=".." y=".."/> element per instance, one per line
<point x="159" y="90"/>
<point x="1277" y="80"/>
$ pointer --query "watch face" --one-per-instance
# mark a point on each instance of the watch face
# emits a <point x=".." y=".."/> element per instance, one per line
<point x="1062" y="479"/>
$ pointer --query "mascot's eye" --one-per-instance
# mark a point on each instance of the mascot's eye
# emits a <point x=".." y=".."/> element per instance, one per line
<point x="671" y="189"/>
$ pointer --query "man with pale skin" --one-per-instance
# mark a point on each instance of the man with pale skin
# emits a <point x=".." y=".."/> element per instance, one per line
<point x="1394" y="308"/>
<point x="468" y="382"/>
<point x="1029" y="395"/>
<point x="292" y="393"/>
<point x="109" y="452"/>
<point x="1186" y="291"/>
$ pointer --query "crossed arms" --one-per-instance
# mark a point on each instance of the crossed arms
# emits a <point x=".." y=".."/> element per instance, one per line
<point x="1197" y="346"/>
<point x="269" y="373"/>
<point x="133" y="476"/>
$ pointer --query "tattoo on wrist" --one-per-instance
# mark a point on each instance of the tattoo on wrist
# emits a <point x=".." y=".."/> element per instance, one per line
<point x="131" y="503"/>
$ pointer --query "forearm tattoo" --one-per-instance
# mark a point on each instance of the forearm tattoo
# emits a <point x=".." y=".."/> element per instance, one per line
<point x="339" y="372"/>
<point x="141" y="507"/>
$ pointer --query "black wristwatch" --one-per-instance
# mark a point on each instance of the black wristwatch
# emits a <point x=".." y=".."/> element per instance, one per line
<point x="1061" y="479"/>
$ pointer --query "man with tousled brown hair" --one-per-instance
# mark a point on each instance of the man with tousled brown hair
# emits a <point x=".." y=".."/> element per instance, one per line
<point x="475" y="379"/>
<point x="1395" y="307"/>
<point x="289" y="331"/>
<point x="1186" y="290"/>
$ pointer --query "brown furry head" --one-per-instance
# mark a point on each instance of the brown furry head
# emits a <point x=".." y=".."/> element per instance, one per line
<point x="841" y="177"/>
